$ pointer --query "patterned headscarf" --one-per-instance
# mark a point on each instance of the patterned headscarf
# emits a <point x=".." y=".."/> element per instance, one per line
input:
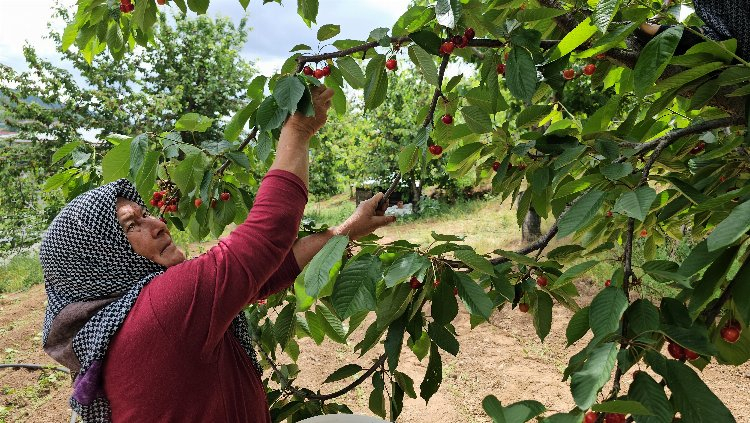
<point x="726" y="19"/>
<point x="92" y="278"/>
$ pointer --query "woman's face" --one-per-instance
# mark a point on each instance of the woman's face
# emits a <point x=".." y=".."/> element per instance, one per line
<point x="148" y="235"/>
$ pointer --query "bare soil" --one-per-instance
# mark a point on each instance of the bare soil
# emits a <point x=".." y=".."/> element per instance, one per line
<point x="503" y="358"/>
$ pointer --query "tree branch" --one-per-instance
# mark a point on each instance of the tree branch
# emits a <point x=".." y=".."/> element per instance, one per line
<point x="33" y="367"/>
<point x="244" y="144"/>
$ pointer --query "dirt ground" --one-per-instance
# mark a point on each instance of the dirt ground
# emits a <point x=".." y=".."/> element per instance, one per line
<point x="503" y="358"/>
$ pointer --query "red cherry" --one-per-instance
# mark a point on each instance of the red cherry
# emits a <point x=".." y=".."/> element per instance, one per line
<point x="436" y="150"/>
<point x="644" y="233"/>
<point x="391" y="64"/>
<point x="161" y="2"/>
<point x="414" y="283"/>
<point x="522" y="166"/>
<point x="541" y="281"/>
<point x="500" y="69"/>
<point x="600" y="56"/>
<point x="590" y="417"/>
<point x="722" y="178"/>
<point x="470" y="33"/>
<point x="691" y="355"/>
<point x="157" y="195"/>
<point x="435" y="283"/>
<point x="153" y="202"/>
<point x="318" y="73"/>
<point x="447" y="47"/>
<point x="495" y="166"/>
<point x="456" y="40"/>
<point x="523" y="308"/>
<point x="589" y="69"/>
<point x="213" y="203"/>
<point x="463" y="42"/>
<point x="730" y="334"/>
<point x="455" y="292"/>
<point x="197" y="202"/>
<point x="569" y="74"/>
<point x="326" y="70"/>
<point x="506" y="56"/>
<point x="261" y="302"/>
<point x="614" y="418"/>
<point x="160" y="204"/>
<point x="676" y="351"/>
<point x="224" y="196"/>
<point x="608" y="282"/>
<point x="171" y="208"/>
<point x="698" y="148"/>
<point x="131" y="7"/>
<point x="307" y="70"/>
<point x="447" y="119"/>
<point x="609" y="213"/>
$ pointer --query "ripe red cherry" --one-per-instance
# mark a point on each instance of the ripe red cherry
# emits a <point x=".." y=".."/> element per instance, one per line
<point x="456" y="40"/>
<point x="213" y="203"/>
<point x="463" y="41"/>
<point x="470" y="33"/>
<point x="523" y="308"/>
<point x="318" y="73"/>
<point x="455" y="292"/>
<point x="326" y="70"/>
<point x="589" y="69"/>
<point x="153" y="202"/>
<point x="644" y="233"/>
<point x="676" y="351"/>
<point x="541" y="281"/>
<point x="698" y="148"/>
<point x="691" y="355"/>
<point x="600" y="56"/>
<point x="160" y="204"/>
<point x="614" y="418"/>
<point x="391" y="64"/>
<point x="224" y="196"/>
<point x="158" y="195"/>
<point x="172" y="208"/>
<point x="447" y="119"/>
<point x="414" y="283"/>
<point x="569" y="74"/>
<point x="608" y="282"/>
<point x="198" y="202"/>
<point x="590" y="417"/>
<point x="495" y="166"/>
<point x="436" y="283"/>
<point x="161" y="2"/>
<point x="307" y="70"/>
<point x="435" y="149"/>
<point x="722" y="178"/>
<point x="609" y="213"/>
<point x="730" y="334"/>
<point x="447" y="47"/>
<point x="500" y="69"/>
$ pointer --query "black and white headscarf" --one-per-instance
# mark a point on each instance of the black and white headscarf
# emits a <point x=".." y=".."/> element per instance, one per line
<point x="727" y="19"/>
<point x="92" y="278"/>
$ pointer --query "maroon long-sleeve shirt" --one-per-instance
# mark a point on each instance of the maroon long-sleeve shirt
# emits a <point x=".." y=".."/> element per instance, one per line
<point x="174" y="359"/>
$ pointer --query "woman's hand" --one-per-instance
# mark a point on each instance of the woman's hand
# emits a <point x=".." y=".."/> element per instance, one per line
<point x="305" y="126"/>
<point x="366" y="219"/>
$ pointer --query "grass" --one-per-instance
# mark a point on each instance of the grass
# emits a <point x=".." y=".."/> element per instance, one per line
<point x="20" y="273"/>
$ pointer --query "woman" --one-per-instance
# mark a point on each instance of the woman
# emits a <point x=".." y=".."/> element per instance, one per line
<point x="151" y="337"/>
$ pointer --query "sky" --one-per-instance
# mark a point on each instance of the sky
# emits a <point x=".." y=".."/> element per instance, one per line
<point x="275" y="28"/>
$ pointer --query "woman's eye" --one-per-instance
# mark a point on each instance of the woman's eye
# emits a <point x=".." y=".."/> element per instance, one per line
<point x="130" y="227"/>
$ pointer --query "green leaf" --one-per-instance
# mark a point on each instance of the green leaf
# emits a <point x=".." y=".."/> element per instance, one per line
<point x="392" y="304"/>
<point x="464" y="158"/>
<point x="694" y="338"/>
<point x="523" y="411"/>
<point x="473" y="296"/>
<point x="447" y="12"/>
<point x="581" y="213"/>
<point x="494" y="409"/>
<point x="116" y="163"/>
<point x="586" y="383"/>
<point x="531" y="115"/>
<point x="65" y="150"/>
<point x="604" y="12"/>
<point x="443" y="338"/>
<point x="404" y="267"/>
<point x="577" y="326"/>
<point x="684" y="77"/>
<point x="317" y="271"/>
<point x="376" y="85"/>
<point x="351" y="71"/>
<point x="344" y="372"/>
<point x="636" y="204"/>
<point x="616" y="171"/>
<point x="477" y="119"/>
<point x="642" y="317"/>
<point x="394" y="340"/>
<point x="328" y="31"/>
<point x="283" y="328"/>
<point x="573" y="272"/>
<point x="582" y="32"/>
<point x="654" y="58"/>
<point x="520" y="74"/>
<point x="193" y="122"/>
<point x="433" y="376"/>
<point x="606" y="310"/>
<point x="355" y="286"/>
<point x="237" y="123"/>
<point x="692" y="398"/>
<point x="648" y="392"/>
<point x="408" y="158"/>
<point x="444" y="307"/>
<point x="188" y="173"/>
<point x="425" y="63"/>
<point x="270" y="115"/>
<point x="144" y="180"/>
<point x="288" y="92"/>
<point x="538" y="14"/>
<point x="315" y="323"/>
<point x="622" y="407"/>
<point x="730" y="229"/>
<point x="198" y="6"/>
<point x="428" y="40"/>
<point x="475" y="261"/>
<point x="541" y="308"/>
<point x="308" y="10"/>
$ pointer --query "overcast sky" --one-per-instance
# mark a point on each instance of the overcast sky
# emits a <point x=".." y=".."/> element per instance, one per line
<point x="275" y="28"/>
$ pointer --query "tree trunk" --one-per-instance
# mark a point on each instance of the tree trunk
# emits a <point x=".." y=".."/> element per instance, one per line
<point x="532" y="227"/>
<point x="416" y="194"/>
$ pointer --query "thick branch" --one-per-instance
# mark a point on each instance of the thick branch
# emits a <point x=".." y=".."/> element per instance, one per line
<point x="540" y="244"/>
<point x="33" y="367"/>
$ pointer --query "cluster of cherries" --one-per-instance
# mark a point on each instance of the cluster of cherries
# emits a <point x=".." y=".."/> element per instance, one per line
<point x="161" y="201"/>
<point x="415" y="284"/>
<point x="592" y="416"/>
<point x="587" y="70"/>
<point x="457" y="41"/>
<point x="318" y="72"/>
<point x="496" y="166"/>
<point x="126" y="6"/>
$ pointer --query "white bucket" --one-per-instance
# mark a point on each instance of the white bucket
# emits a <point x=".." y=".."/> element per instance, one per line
<point x="343" y="418"/>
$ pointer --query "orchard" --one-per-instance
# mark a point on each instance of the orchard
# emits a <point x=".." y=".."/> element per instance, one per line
<point x="663" y="158"/>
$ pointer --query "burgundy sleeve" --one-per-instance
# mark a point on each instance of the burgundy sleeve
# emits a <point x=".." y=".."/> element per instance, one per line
<point x="198" y="299"/>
